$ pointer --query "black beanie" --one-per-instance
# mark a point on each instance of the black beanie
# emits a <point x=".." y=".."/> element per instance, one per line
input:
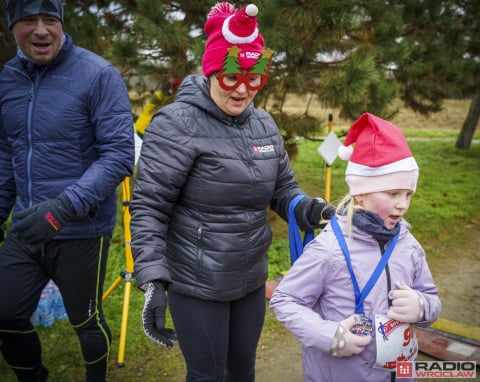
<point x="18" y="9"/>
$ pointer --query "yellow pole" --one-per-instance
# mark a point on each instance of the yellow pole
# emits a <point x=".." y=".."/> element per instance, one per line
<point x="328" y="170"/>
<point x="123" y="328"/>
<point x="126" y="275"/>
<point x="112" y="287"/>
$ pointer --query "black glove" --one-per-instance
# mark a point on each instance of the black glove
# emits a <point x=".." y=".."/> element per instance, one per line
<point x="41" y="222"/>
<point x="320" y="211"/>
<point x="153" y="315"/>
<point x="309" y="212"/>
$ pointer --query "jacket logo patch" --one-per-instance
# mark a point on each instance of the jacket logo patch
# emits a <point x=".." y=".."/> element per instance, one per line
<point x="263" y="149"/>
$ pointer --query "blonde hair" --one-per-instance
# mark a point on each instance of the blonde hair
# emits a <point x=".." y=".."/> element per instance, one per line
<point x="349" y="205"/>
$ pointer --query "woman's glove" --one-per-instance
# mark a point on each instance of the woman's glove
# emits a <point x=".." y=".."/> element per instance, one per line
<point x="43" y="221"/>
<point x="321" y="211"/>
<point x="153" y="315"/>
<point x="345" y="343"/>
<point x="407" y="305"/>
<point x="316" y="211"/>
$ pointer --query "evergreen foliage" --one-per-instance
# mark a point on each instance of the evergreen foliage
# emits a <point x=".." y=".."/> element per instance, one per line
<point x="352" y="55"/>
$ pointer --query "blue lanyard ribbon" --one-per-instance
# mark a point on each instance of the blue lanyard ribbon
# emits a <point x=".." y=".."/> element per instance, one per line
<point x="361" y="296"/>
<point x="295" y="242"/>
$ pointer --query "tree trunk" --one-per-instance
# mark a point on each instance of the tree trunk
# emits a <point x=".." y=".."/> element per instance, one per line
<point x="465" y="137"/>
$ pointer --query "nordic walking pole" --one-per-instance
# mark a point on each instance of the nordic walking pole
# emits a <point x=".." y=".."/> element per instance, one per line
<point x="126" y="275"/>
<point x="328" y="170"/>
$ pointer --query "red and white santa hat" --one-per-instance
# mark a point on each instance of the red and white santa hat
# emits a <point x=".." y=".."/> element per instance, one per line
<point x="226" y="27"/>
<point x="381" y="159"/>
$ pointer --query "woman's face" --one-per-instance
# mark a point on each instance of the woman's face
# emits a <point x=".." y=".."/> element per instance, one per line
<point x="234" y="100"/>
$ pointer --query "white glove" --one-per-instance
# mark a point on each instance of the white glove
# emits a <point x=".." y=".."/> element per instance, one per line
<point x="407" y="305"/>
<point x="345" y="343"/>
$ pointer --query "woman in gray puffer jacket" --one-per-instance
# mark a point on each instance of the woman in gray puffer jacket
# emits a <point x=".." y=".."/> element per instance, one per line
<point x="211" y="164"/>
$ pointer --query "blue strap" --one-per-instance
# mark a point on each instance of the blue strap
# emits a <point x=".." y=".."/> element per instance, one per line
<point x="295" y="241"/>
<point x="361" y="296"/>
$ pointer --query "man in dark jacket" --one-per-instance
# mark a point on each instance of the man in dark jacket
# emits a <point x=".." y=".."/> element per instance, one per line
<point x="66" y="143"/>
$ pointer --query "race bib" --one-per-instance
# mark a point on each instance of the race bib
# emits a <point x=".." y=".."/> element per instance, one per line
<point x="396" y="341"/>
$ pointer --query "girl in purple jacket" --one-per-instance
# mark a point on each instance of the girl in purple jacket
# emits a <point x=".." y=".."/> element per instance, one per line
<point x="353" y="295"/>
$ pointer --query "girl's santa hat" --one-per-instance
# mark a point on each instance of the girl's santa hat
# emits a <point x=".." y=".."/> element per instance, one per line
<point x="381" y="159"/>
<point x="226" y="27"/>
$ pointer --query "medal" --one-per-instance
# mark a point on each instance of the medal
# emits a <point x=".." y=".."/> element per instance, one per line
<point x="364" y="327"/>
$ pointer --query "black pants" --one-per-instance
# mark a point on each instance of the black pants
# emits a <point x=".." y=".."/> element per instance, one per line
<point x="78" y="268"/>
<point x="219" y="339"/>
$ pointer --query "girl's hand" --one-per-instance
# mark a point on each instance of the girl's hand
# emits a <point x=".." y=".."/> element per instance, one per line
<point x="345" y="343"/>
<point x="407" y="305"/>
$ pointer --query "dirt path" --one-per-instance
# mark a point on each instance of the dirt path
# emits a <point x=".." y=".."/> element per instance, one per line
<point x="457" y="275"/>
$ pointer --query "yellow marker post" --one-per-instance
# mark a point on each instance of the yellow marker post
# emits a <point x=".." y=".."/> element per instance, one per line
<point x="328" y="169"/>
<point x="126" y="275"/>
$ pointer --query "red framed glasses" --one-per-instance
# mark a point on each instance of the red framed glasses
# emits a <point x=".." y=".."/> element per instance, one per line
<point x="231" y="81"/>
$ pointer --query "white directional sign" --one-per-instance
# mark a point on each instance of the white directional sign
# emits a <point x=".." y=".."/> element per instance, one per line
<point x="329" y="148"/>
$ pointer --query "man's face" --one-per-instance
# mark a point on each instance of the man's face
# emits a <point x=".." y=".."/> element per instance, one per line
<point x="39" y="37"/>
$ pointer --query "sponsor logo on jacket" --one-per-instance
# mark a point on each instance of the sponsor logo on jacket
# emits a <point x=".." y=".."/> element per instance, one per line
<point x="264" y="149"/>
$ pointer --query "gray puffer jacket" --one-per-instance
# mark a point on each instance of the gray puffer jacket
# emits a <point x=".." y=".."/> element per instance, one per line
<point x="204" y="182"/>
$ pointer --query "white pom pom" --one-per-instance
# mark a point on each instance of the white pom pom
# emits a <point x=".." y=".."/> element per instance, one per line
<point x="220" y="8"/>
<point x="345" y="152"/>
<point x="251" y="10"/>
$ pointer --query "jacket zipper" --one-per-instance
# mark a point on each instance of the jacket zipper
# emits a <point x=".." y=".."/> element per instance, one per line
<point x="387" y="273"/>
<point x="29" y="143"/>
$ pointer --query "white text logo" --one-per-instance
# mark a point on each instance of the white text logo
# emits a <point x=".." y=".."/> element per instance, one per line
<point x="436" y="369"/>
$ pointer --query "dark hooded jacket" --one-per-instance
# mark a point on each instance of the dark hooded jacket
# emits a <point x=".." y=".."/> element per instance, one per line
<point x="65" y="127"/>
<point x="205" y="180"/>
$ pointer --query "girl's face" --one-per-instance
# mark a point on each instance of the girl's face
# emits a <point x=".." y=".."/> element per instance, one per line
<point x="390" y="205"/>
<point x="234" y="101"/>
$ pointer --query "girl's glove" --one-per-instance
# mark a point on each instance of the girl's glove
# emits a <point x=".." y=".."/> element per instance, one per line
<point x="43" y="221"/>
<point x="153" y="315"/>
<point x="407" y="305"/>
<point x="345" y="343"/>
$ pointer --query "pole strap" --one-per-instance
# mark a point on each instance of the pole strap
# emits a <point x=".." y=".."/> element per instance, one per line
<point x="295" y="241"/>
